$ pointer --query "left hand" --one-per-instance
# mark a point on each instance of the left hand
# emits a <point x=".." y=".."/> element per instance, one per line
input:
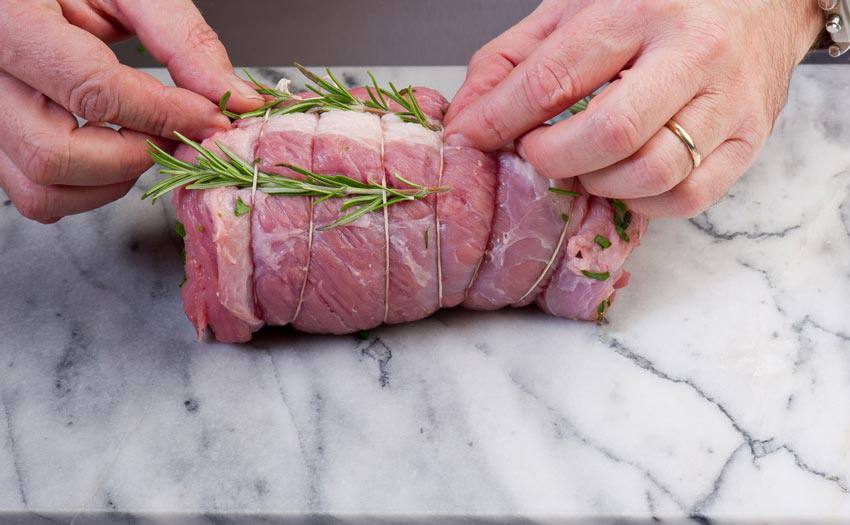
<point x="55" y="65"/>
<point x="718" y="68"/>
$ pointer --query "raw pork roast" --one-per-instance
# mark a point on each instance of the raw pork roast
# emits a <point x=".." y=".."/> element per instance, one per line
<point x="498" y="238"/>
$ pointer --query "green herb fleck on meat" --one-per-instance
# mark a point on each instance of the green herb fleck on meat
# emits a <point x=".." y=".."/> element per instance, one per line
<point x="603" y="242"/>
<point x="241" y="208"/>
<point x="600" y="310"/>
<point x="622" y="219"/>
<point x="599" y="276"/>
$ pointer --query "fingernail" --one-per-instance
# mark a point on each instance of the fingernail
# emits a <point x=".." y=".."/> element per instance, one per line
<point x="215" y="124"/>
<point x="458" y="139"/>
<point x="244" y="90"/>
<point x="520" y="149"/>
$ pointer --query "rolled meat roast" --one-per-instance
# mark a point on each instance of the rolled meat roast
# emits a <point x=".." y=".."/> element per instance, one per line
<point x="499" y="237"/>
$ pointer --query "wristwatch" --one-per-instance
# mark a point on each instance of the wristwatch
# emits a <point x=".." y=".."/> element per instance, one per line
<point x="837" y="25"/>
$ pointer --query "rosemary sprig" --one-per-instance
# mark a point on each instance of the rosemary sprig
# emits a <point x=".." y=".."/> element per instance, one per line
<point x="211" y="171"/>
<point x="332" y="94"/>
<point x="263" y="89"/>
<point x="278" y="97"/>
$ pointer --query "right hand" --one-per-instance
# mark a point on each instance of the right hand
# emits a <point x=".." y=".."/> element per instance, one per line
<point x="54" y="64"/>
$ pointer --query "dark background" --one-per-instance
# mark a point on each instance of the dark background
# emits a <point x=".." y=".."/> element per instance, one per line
<point x="355" y="32"/>
<point x="352" y="32"/>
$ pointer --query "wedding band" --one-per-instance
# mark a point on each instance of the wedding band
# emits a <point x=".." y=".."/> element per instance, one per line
<point x="686" y="139"/>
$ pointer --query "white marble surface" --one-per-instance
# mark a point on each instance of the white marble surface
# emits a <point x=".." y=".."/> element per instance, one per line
<point x="720" y="390"/>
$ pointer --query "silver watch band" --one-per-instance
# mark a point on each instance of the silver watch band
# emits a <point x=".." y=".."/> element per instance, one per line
<point x="837" y="25"/>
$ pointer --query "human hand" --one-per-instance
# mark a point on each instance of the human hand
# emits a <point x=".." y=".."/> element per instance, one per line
<point x="54" y="63"/>
<point x="720" y="69"/>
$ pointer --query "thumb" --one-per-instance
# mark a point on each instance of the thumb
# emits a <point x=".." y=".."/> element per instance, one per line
<point x="176" y="34"/>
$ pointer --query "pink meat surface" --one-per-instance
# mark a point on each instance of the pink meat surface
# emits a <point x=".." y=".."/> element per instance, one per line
<point x="346" y="283"/>
<point x="529" y="222"/>
<point x="465" y="214"/>
<point x="231" y="235"/>
<point x="412" y="152"/>
<point x="281" y="226"/>
<point x="218" y="247"/>
<point x="498" y="238"/>
<point x="573" y="294"/>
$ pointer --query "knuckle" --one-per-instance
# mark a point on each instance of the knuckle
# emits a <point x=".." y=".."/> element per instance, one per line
<point x="656" y="173"/>
<point x="643" y="9"/>
<point x="647" y="13"/>
<point x="714" y="40"/>
<point x="494" y="125"/>
<point x="45" y="163"/>
<point x="162" y="124"/>
<point x="741" y="154"/>
<point x="92" y="98"/>
<point x="654" y="8"/>
<point x="550" y="85"/>
<point x="479" y="57"/>
<point x="753" y="132"/>
<point x="618" y="133"/>
<point x="201" y="37"/>
<point x="492" y="61"/>
<point x="33" y="203"/>
<point x="690" y="202"/>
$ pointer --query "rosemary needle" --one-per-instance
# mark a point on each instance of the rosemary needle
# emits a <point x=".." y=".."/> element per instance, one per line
<point x="331" y="94"/>
<point x="561" y="191"/>
<point x="211" y="171"/>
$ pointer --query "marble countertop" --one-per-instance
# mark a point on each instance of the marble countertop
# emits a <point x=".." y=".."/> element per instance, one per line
<point x="719" y="391"/>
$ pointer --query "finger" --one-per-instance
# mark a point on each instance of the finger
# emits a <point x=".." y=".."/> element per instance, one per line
<point x="574" y="60"/>
<point x="665" y="161"/>
<point x="493" y="62"/>
<point x="80" y="73"/>
<point x="48" y="203"/>
<point x="704" y="187"/>
<point x="617" y="123"/>
<point x="105" y="27"/>
<point x="46" y="145"/>
<point x="190" y="49"/>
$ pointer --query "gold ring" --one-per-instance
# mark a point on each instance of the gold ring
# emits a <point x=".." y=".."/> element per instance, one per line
<point x="686" y="139"/>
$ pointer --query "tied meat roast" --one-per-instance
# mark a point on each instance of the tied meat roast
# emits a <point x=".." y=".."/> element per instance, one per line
<point x="497" y="238"/>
